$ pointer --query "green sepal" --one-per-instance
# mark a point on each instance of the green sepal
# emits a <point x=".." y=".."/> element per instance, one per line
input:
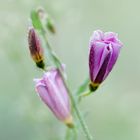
<point x="40" y="64"/>
<point x="82" y="88"/>
<point x="92" y="87"/>
<point x="36" y="22"/>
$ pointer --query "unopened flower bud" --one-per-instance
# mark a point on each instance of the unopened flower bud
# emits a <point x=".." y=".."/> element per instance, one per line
<point x="52" y="91"/>
<point x="35" y="48"/>
<point x="46" y="19"/>
<point x="50" y="25"/>
<point x="104" y="51"/>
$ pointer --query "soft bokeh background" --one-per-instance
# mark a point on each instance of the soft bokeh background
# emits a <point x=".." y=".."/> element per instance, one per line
<point x="113" y="112"/>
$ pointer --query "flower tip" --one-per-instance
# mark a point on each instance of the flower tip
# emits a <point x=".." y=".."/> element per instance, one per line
<point x="41" y="64"/>
<point x="69" y="122"/>
<point x="50" y="26"/>
<point x="93" y="86"/>
<point x="36" y="80"/>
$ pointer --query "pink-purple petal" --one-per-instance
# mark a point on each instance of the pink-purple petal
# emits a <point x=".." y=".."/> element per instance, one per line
<point x="96" y="36"/>
<point x="115" y="53"/>
<point x="97" y="55"/>
<point x="53" y="93"/>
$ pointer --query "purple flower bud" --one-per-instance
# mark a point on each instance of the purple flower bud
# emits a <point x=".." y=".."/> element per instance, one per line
<point x="35" y="48"/>
<point x="104" y="51"/>
<point x="53" y="93"/>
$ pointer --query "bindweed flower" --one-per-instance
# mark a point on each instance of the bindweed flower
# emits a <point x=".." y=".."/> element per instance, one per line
<point x="104" y="51"/>
<point x="53" y="93"/>
<point x="35" y="48"/>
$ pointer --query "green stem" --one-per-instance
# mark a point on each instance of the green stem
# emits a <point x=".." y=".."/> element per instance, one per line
<point x="82" y="87"/>
<point x="67" y="136"/>
<point x="78" y="113"/>
<point x="75" y="133"/>
<point x="81" y="120"/>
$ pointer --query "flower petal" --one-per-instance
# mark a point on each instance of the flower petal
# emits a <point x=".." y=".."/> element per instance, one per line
<point x="53" y="93"/>
<point x="115" y="53"/>
<point x="103" y="68"/>
<point x="96" y="36"/>
<point x="63" y="90"/>
<point x="96" y="58"/>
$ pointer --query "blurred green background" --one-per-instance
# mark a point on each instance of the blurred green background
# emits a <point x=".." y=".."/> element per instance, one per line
<point x="113" y="112"/>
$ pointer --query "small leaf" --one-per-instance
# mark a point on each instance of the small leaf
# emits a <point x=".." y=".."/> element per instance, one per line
<point x="36" y="20"/>
<point x="82" y="87"/>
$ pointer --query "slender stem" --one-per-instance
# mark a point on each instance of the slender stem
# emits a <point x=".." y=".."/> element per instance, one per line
<point x="75" y="133"/>
<point x="82" y="87"/>
<point x="67" y="136"/>
<point x="81" y="120"/>
<point x="69" y="133"/>
<point x="79" y="115"/>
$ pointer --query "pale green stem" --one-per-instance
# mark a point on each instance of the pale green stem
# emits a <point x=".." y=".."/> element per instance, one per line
<point x="75" y="133"/>
<point x="78" y="113"/>
<point x="69" y="136"/>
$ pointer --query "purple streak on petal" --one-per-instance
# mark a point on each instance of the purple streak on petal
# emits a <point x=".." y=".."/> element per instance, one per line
<point x="102" y="71"/>
<point x="96" y="58"/>
<point x="91" y="63"/>
<point x="115" y="53"/>
<point x="56" y="94"/>
<point x="46" y="98"/>
<point x="63" y="90"/>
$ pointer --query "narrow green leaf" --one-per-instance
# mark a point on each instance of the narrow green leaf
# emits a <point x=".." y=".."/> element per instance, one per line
<point x="82" y="87"/>
<point x="36" y="20"/>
